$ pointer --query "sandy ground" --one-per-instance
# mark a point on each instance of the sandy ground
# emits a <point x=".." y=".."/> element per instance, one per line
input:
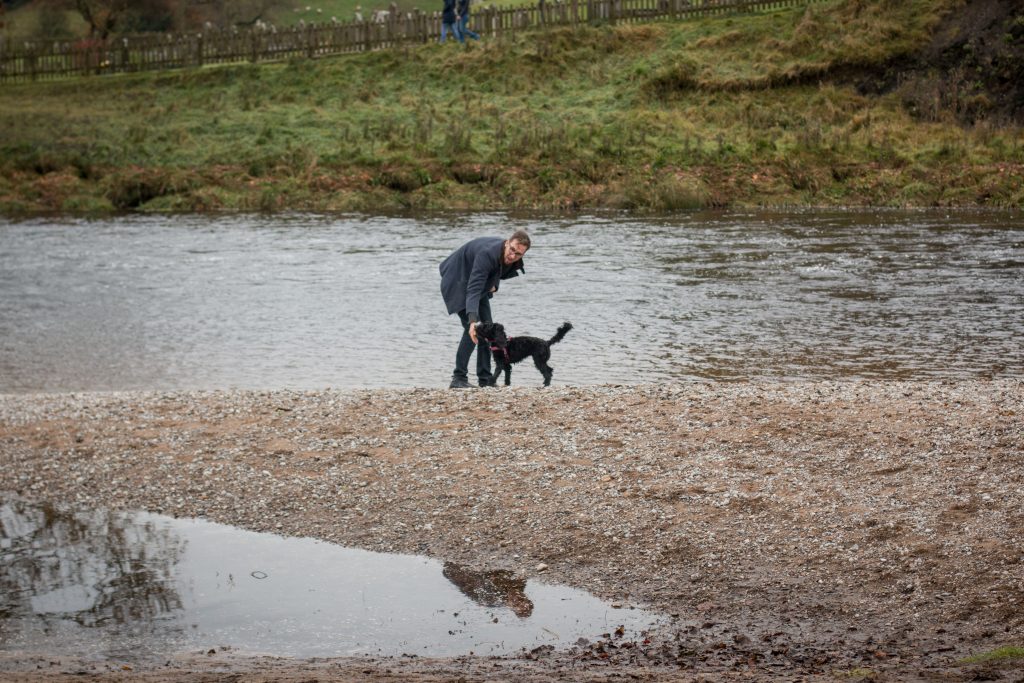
<point x="813" y="531"/>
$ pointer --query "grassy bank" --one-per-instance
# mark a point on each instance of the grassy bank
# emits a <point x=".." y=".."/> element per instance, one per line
<point x="782" y="108"/>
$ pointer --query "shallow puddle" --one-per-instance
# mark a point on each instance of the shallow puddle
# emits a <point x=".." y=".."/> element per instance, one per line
<point x="135" y="585"/>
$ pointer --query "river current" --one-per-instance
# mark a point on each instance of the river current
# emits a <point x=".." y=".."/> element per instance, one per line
<point x="348" y="301"/>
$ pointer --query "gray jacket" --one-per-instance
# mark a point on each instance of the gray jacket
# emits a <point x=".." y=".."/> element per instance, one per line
<point x="471" y="271"/>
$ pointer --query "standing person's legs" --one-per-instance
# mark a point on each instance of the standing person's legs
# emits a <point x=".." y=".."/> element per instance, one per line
<point x="461" y="372"/>
<point x="483" y="351"/>
<point x="464" y="27"/>
<point x="466" y="346"/>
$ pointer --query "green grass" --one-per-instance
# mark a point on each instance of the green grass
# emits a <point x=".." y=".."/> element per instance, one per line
<point x="23" y="23"/>
<point x="344" y="10"/>
<point x="1002" y="654"/>
<point x="26" y="23"/>
<point x="730" y="111"/>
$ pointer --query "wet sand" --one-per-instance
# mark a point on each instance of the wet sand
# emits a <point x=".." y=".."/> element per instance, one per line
<point x="796" y="531"/>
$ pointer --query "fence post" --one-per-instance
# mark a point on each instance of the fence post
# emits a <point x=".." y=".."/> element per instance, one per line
<point x="310" y="42"/>
<point x="199" y="49"/>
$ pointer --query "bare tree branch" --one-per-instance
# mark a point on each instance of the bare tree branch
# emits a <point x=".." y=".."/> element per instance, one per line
<point x="101" y="15"/>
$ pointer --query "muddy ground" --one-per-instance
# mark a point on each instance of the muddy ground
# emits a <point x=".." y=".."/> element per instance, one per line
<point x="812" y="531"/>
<point x="973" y="67"/>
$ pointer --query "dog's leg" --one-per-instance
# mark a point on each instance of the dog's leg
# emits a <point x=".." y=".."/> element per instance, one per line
<point x="508" y="374"/>
<point x="498" y="362"/>
<point x="545" y="369"/>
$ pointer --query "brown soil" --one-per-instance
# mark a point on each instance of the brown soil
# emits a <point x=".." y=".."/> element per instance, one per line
<point x="816" y="531"/>
<point x="974" y="66"/>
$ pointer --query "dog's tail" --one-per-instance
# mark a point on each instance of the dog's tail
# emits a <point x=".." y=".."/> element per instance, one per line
<point x="562" y="331"/>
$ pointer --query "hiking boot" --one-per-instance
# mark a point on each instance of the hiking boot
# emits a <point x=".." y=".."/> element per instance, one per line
<point x="488" y="382"/>
<point x="459" y="383"/>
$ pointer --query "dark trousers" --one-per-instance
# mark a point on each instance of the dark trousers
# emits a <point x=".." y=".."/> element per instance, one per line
<point x="466" y="346"/>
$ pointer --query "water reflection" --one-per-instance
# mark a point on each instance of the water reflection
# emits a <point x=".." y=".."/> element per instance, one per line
<point x="84" y="566"/>
<point x="304" y="301"/>
<point x="140" y="586"/>
<point x="493" y="588"/>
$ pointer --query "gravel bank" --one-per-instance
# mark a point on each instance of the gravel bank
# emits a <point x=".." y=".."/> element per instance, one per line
<point x="804" y="530"/>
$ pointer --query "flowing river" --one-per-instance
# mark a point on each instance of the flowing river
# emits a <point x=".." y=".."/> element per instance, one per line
<point x="346" y="301"/>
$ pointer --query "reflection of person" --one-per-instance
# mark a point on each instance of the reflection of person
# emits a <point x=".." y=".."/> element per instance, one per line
<point x="496" y="588"/>
<point x="450" y="22"/>
<point x="463" y="9"/>
<point x="469" y="278"/>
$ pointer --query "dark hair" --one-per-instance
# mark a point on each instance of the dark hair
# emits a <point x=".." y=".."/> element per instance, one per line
<point x="521" y="237"/>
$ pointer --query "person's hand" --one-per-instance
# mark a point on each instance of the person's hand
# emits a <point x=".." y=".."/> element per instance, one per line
<point x="472" y="332"/>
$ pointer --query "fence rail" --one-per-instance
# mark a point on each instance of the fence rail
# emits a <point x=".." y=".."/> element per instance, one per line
<point x="50" y="60"/>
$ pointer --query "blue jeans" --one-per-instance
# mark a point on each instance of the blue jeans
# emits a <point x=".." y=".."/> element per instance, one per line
<point x="464" y="29"/>
<point x="466" y="346"/>
<point x="454" y="29"/>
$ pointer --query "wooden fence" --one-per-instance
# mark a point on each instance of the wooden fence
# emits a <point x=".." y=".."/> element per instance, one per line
<point x="50" y="60"/>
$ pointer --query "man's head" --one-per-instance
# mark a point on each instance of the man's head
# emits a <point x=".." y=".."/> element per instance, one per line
<point x="515" y="247"/>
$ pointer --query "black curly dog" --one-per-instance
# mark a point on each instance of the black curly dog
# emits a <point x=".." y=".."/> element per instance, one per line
<point x="510" y="350"/>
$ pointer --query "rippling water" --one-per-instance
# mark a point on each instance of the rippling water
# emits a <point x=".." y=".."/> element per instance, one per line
<point x="311" y="301"/>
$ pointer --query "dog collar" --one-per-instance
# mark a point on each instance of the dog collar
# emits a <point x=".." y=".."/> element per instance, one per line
<point x="498" y="348"/>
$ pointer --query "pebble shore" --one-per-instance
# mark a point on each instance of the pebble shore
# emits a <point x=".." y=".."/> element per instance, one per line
<point x="789" y="529"/>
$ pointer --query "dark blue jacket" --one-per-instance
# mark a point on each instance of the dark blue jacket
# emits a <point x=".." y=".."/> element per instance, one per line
<point x="448" y="12"/>
<point x="469" y="273"/>
<point x="463" y="7"/>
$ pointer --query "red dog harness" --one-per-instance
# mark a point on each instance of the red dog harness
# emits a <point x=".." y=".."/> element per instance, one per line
<point x="500" y="348"/>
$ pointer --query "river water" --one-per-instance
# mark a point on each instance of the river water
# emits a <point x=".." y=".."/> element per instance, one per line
<point x="315" y="301"/>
